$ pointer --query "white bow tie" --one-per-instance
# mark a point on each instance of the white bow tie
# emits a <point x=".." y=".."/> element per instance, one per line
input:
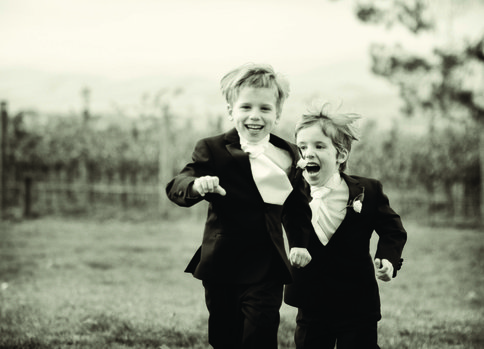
<point x="254" y="149"/>
<point x="333" y="182"/>
<point x="319" y="192"/>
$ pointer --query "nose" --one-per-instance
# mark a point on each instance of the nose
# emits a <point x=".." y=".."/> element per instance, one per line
<point x="254" y="115"/>
<point x="308" y="153"/>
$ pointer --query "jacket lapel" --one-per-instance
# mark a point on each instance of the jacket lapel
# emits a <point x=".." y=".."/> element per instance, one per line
<point x="355" y="189"/>
<point x="233" y="146"/>
<point x="280" y="143"/>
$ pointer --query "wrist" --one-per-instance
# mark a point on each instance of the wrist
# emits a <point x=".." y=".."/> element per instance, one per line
<point x="192" y="192"/>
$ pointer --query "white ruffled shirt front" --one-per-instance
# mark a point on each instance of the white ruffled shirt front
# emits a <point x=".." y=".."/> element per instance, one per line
<point x="270" y="166"/>
<point x="329" y="206"/>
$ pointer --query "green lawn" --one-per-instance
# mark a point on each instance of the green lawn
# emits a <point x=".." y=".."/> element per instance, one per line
<point x="112" y="284"/>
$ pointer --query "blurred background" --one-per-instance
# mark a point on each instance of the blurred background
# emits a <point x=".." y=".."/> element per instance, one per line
<point x="102" y="101"/>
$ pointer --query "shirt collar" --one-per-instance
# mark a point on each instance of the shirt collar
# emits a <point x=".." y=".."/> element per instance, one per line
<point x="254" y="148"/>
<point x="331" y="183"/>
<point x="264" y="141"/>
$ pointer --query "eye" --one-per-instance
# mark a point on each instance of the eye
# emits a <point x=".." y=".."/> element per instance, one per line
<point x="302" y="147"/>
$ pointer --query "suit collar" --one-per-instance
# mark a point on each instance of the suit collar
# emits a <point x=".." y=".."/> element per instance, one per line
<point x="232" y="137"/>
<point x="292" y="150"/>
<point x="354" y="186"/>
<point x="355" y="189"/>
<point x="233" y="146"/>
<point x="349" y="179"/>
<point x="280" y="143"/>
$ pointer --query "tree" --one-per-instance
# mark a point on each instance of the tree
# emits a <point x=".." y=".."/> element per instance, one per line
<point x="447" y="84"/>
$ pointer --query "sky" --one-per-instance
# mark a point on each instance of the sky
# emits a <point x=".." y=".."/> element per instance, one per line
<point x="129" y="38"/>
<point x="122" y="40"/>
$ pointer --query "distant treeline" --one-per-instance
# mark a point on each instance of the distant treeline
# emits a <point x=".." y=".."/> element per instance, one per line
<point x="439" y="168"/>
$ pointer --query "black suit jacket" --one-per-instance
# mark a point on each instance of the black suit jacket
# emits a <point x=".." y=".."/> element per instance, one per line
<point x="243" y="237"/>
<point x="339" y="283"/>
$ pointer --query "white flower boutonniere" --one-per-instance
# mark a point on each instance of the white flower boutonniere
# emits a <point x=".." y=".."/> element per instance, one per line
<point x="302" y="163"/>
<point x="357" y="202"/>
<point x="357" y="206"/>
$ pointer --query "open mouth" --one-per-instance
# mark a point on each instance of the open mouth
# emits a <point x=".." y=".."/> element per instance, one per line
<point x="313" y="168"/>
<point x="254" y="127"/>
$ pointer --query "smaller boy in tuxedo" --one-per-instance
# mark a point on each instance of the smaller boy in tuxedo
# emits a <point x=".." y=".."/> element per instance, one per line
<point x="250" y="179"/>
<point x="337" y="294"/>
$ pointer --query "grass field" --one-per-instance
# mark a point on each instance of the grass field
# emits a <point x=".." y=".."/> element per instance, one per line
<point x="112" y="284"/>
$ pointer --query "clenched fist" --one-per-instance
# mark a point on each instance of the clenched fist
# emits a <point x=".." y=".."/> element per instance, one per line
<point x="207" y="184"/>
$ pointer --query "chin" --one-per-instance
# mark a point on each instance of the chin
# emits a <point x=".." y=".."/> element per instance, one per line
<point x="314" y="179"/>
<point x="252" y="137"/>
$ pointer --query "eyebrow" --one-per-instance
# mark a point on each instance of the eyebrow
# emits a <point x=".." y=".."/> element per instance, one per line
<point x="317" y="142"/>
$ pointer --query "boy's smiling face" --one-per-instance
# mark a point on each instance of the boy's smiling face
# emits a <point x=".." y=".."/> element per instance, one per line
<point x="254" y="113"/>
<point x="320" y="153"/>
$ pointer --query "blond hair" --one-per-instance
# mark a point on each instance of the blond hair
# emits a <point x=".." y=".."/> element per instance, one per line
<point x="257" y="76"/>
<point x="339" y="127"/>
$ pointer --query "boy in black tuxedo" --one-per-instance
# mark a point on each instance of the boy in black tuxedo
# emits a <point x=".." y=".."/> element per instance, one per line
<point x="250" y="179"/>
<point x="337" y="293"/>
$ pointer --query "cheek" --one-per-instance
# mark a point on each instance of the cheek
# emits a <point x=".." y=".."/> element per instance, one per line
<point x="328" y="159"/>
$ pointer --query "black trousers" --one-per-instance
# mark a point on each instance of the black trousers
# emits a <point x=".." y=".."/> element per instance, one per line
<point x="243" y="316"/>
<point x="315" y="332"/>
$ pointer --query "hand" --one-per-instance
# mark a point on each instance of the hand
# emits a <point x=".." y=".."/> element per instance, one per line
<point x="384" y="269"/>
<point x="207" y="184"/>
<point x="299" y="257"/>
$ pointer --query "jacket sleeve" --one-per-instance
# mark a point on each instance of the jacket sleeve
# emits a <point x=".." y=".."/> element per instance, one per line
<point x="296" y="215"/>
<point x="179" y="188"/>
<point x="392" y="235"/>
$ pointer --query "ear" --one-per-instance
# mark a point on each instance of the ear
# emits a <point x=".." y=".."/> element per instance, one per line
<point x="278" y="118"/>
<point x="229" y="110"/>
<point x="342" y="156"/>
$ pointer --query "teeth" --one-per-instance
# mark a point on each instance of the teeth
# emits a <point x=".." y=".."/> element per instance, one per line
<point x="254" y="127"/>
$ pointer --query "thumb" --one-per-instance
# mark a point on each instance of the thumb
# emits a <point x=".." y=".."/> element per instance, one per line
<point x="377" y="263"/>
<point x="220" y="190"/>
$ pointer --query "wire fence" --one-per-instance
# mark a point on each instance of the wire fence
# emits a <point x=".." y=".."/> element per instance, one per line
<point x="33" y="198"/>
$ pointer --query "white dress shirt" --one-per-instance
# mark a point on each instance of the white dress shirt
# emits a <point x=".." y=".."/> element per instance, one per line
<point x="329" y="206"/>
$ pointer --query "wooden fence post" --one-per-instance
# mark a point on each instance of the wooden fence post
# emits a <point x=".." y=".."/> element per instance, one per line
<point x="480" y="125"/>
<point x="28" y="197"/>
<point x="3" y="157"/>
<point x="163" y="161"/>
<point x="83" y="191"/>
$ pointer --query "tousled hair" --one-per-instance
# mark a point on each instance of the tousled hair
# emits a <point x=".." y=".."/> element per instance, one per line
<point x="256" y="76"/>
<point x="339" y="127"/>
